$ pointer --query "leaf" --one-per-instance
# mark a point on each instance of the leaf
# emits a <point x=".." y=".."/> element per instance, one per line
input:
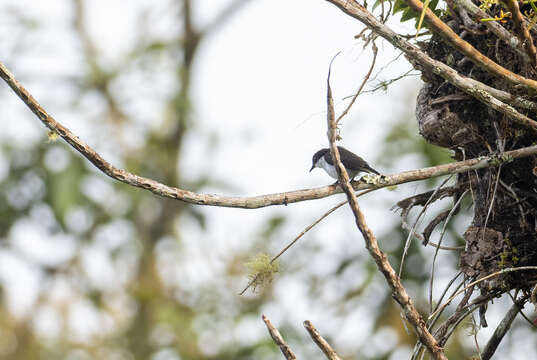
<point x="409" y="13"/>
<point x="398" y="6"/>
<point x="422" y="15"/>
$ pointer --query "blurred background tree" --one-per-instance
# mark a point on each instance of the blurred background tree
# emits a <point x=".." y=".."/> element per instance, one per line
<point x="90" y="268"/>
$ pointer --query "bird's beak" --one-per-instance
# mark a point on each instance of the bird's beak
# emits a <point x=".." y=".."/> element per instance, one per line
<point x="312" y="167"/>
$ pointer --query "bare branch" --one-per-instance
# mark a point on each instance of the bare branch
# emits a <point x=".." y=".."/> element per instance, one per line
<point x="500" y="272"/>
<point x="523" y="31"/>
<point x="453" y="211"/>
<point x="502" y="329"/>
<point x="425" y="198"/>
<point x="321" y="343"/>
<point x="528" y="320"/>
<point x="308" y="228"/>
<point x="495" y="28"/>
<point x="412" y="231"/>
<point x="278" y="339"/>
<point x="494" y="98"/>
<point x="253" y="202"/>
<point x="364" y="81"/>
<point x="398" y="291"/>
<point x="420" y="237"/>
<point x="467" y="49"/>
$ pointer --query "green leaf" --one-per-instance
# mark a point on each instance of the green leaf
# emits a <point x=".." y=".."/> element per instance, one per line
<point x="399" y="5"/>
<point x="422" y="15"/>
<point x="409" y="14"/>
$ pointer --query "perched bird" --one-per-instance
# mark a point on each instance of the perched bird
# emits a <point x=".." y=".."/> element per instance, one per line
<point x="352" y="162"/>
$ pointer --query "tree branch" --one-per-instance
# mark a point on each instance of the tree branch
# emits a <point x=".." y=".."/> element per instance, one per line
<point x="253" y="202"/>
<point x="494" y="98"/>
<point x="495" y="28"/>
<point x="467" y="49"/>
<point x="502" y="329"/>
<point x="278" y="339"/>
<point x="321" y="343"/>
<point x="497" y="273"/>
<point x="398" y="291"/>
<point x="523" y="31"/>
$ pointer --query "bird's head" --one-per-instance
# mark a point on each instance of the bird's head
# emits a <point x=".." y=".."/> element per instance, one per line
<point x="316" y="157"/>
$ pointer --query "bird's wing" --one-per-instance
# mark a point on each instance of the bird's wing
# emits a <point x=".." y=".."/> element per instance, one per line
<point x="351" y="161"/>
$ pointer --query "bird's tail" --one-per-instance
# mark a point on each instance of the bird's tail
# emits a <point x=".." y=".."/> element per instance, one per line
<point x="370" y="169"/>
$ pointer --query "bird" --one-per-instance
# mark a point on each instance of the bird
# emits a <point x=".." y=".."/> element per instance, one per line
<point x="352" y="162"/>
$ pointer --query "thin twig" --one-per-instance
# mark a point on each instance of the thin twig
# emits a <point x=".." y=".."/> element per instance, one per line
<point x="522" y="30"/>
<point x="398" y="291"/>
<point x="496" y="28"/>
<point x="493" y="199"/>
<point x="308" y="228"/>
<point x="503" y="271"/>
<point x="278" y="339"/>
<point x="502" y="329"/>
<point x="431" y="281"/>
<point x="431" y="323"/>
<point x="413" y="229"/>
<point x="321" y="343"/>
<point x="420" y="237"/>
<point x="442" y="333"/>
<point x="463" y="316"/>
<point x="442" y="29"/>
<point x="364" y="81"/>
<point x="494" y="98"/>
<point x="474" y="332"/>
<point x="518" y="202"/>
<point x="528" y="320"/>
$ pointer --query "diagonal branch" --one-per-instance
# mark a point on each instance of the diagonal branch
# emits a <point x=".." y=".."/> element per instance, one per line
<point x="321" y="342"/>
<point x="278" y="340"/>
<point x="398" y="291"/>
<point x="502" y="329"/>
<point x="523" y="31"/>
<point x="302" y="233"/>
<point x="495" y="28"/>
<point x="497" y="273"/>
<point x="494" y="98"/>
<point x="253" y="202"/>
<point x="442" y="29"/>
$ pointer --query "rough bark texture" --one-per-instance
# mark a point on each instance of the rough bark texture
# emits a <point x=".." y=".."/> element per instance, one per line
<point x="503" y="231"/>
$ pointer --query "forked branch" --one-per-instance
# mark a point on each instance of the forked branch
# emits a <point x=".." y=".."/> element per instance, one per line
<point x="493" y="98"/>
<point x="442" y="29"/>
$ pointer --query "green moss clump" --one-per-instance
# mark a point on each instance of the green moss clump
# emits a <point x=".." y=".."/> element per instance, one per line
<point x="261" y="270"/>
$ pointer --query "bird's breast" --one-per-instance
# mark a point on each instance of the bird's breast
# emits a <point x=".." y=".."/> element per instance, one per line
<point x="330" y="169"/>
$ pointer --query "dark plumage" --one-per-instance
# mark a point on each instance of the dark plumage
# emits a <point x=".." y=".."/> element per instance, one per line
<point x="352" y="162"/>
